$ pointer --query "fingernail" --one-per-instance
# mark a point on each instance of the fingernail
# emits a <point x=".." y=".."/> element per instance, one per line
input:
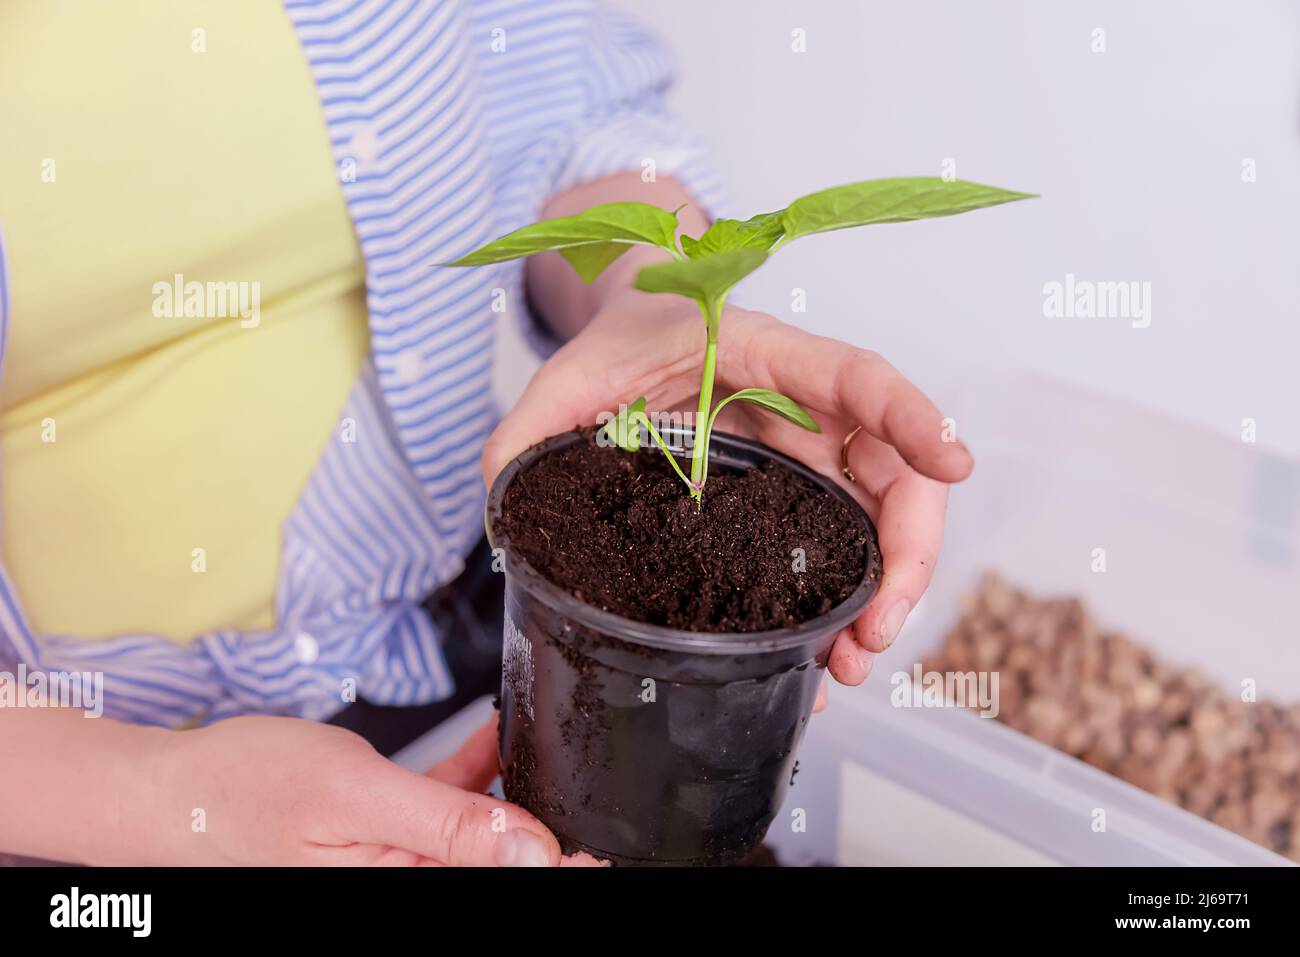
<point x="866" y="658"/>
<point x="893" y="623"/>
<point x="521" y="848"/>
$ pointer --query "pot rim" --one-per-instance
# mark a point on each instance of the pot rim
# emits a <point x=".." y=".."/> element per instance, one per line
<point x="678" y="639"/>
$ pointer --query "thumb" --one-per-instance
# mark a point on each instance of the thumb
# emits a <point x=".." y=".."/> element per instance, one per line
<point x="460" y="828"/>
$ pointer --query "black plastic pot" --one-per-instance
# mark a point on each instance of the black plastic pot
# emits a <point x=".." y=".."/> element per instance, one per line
<point x="649" y="745"/>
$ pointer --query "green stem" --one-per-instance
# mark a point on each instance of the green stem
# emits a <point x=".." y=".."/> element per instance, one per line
<point x="712" y="309"/>
<point x="644" y="419"/>
<point x="708" y="431"/>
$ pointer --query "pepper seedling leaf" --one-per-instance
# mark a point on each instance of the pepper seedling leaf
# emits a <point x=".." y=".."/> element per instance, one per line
<point x="605" y="227"/>
<point x="589" y="261"/>
<point x="782" y="405"/>
<point x="622" y="430"/>
<point x="889" y="201"/>
<point x="706" y="278"/>
<point x="757" y="232"/>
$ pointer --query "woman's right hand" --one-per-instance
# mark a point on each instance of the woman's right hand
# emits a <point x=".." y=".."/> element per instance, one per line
<point x="282" y="791"/>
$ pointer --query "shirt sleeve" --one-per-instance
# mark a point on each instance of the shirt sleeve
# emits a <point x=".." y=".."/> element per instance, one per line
<point x="574" y="93"/>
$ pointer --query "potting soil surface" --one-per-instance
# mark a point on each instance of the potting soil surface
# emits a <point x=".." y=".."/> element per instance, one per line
<point x="620" y="532"/>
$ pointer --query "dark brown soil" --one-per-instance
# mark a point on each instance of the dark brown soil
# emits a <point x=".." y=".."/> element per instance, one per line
<point x="621" y="533"/>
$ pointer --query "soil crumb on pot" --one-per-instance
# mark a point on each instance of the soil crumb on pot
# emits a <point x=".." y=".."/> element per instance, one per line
<point x="620" y="532"/>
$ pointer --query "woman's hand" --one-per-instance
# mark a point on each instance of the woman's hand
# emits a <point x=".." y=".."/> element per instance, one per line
<point x="280" y="791"/>
<point x="642" y="344"/>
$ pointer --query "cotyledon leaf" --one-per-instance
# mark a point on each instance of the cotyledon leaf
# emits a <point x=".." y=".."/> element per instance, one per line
<point x="622" y="430"/>
<point x="782" y="405"/>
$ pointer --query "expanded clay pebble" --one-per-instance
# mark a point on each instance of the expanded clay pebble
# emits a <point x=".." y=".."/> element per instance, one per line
<point x="1104" y="698"/>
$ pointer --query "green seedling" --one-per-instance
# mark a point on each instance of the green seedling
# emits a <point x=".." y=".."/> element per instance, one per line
<point x="705" y="268"/>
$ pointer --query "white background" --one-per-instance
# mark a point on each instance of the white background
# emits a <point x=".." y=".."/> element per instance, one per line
<point x="1137" y="153"/>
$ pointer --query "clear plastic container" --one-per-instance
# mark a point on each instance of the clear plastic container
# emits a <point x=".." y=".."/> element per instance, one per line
<point x="1202" y="545"/>
<point x="1202" y="550"/>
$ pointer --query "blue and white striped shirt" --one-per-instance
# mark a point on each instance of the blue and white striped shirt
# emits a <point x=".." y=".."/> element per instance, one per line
<point x="451" y="122"/>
